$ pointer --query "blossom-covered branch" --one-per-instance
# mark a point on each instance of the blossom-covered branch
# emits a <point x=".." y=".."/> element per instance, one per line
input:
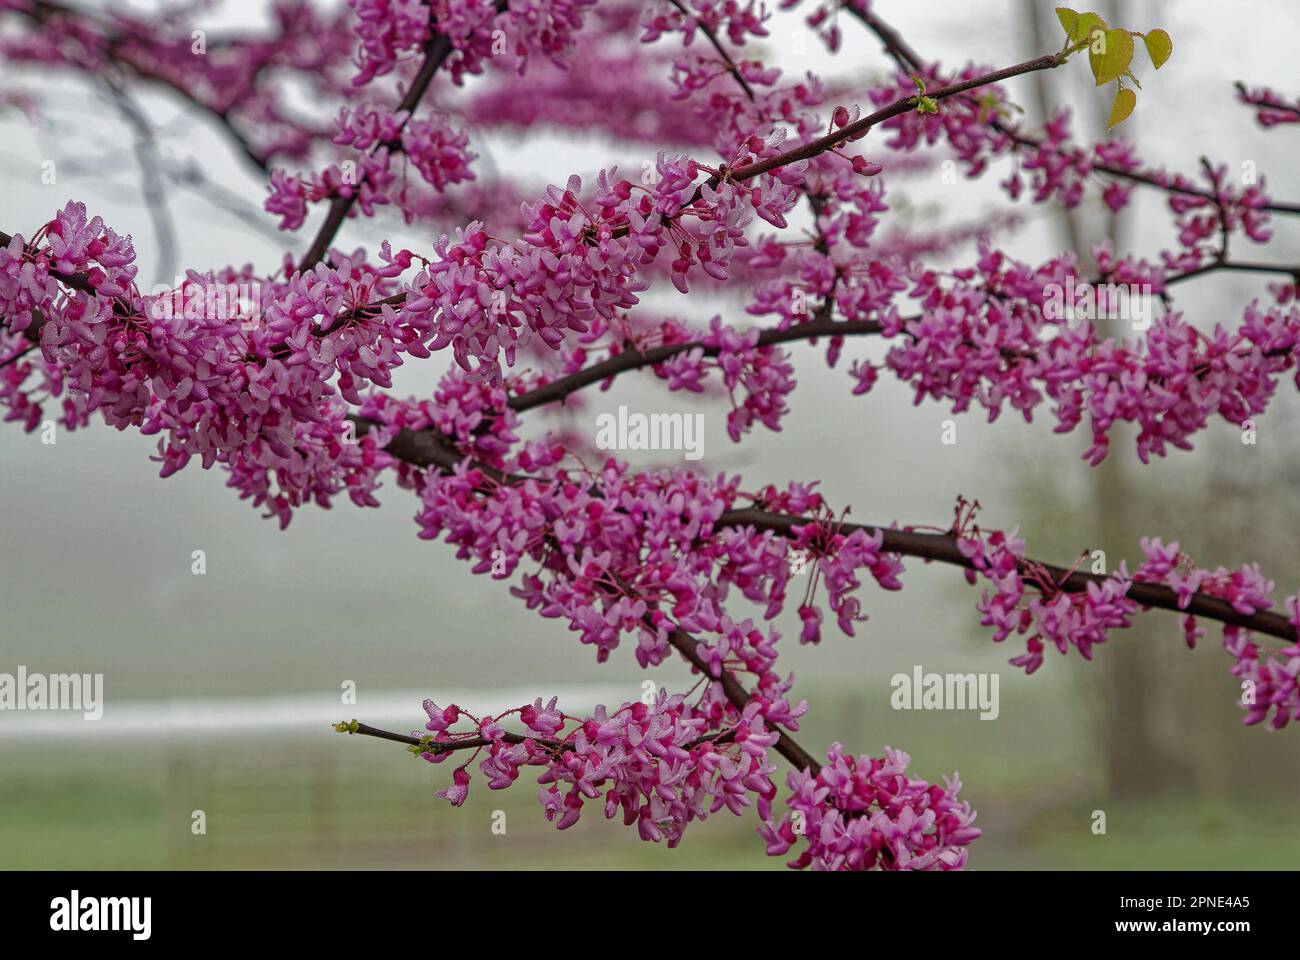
<point x="291" y="396"/>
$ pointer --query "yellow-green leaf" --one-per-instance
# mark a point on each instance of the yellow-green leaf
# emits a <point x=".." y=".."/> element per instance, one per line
<point x="1069" y="21"/>
<point x="1110" y="55"/>
<point x="1124" y="103"/>
<point x="1084" y="29"/>
<point x="1159" y="47"/>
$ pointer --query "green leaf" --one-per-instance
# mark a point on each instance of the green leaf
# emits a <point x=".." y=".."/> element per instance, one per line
<point x="1124" y="103"/>
<point x="1114" y="56"/>
<point x="1159" y="47"/>
<point x="1069" y="21"/>
<point x="1088" y="23"/>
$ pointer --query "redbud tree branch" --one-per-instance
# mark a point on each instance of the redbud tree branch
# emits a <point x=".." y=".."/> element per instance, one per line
<point x="425" y="448"/>
<point x="631" y="358"/>
<point x="712" y="37"/>
<point x="860" y="126"/>
<point x="738" y="696"/>
<point x="436" y="51"/>
<point x="561" y="388"/>
<point x="428" y="745"/>
<point x="942" y="547"/>
<point x="42" y="11"/>
<point x="910" y="61"/>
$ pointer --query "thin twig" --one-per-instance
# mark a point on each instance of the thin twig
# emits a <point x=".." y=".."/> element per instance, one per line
<point x="151" y="185"/>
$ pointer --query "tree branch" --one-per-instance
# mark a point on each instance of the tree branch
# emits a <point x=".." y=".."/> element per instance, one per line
<point x="910" y="61"/>
<point x="473" y="742"/>
<point x="854" y="130"/>
<point x="633" y="359"/>
<point x="712" y="37"/>
<point x="42" y="10"/>
<point x="739" y="697"/>
<point x="942" y="547"/>
<point x="424" y="449"/>
<point x="436" y="51"/>
<point x="560" y="389"/>
<point x="151" y="185"/>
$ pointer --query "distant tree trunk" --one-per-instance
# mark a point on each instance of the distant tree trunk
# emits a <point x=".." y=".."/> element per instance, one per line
<point x="1124" y="686"/>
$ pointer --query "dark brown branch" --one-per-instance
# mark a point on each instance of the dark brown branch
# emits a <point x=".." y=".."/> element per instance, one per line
<point x="473" y="743"/>
<point x="907" y="59"/>
<point x="1276" y="106"/>
<point x="632" y="359"/>
<point x="436" y="51"/>
<point x="942" y="547"/>
<point x="1282" y="269"/>
<point x="41" y="12"/>
<point x="424" y="450"/>
<point x="712" y="37"/>
<point x="449" y="746"/>
<point x="856" y="129"/>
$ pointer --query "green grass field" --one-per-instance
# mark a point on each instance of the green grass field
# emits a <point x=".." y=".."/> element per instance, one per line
<point x="337" y="802"/>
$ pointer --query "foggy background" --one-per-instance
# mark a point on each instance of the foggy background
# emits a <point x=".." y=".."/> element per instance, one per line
<point x="219" y="688"/>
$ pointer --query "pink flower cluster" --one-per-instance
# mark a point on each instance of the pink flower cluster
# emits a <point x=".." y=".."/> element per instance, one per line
<point x="1084" y="618"/>
<point x="620" y="551"/>
<point x="1052" y="614"/>
<point x="1001" y="334"/>
<point x="253" y="393"/>
<point x="440" y="154"/>
<point x="478" y="30"/>
<point x="736" y="21"/>
<point x="388" y="29"/>
<point x="867" y="813"/>
<point x="764" y="374"/>
<point x="486" y="298"/>
<point x="662" y="764"/>
<point x="1268" y="682"/>
<point x="1272" y="109"/>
